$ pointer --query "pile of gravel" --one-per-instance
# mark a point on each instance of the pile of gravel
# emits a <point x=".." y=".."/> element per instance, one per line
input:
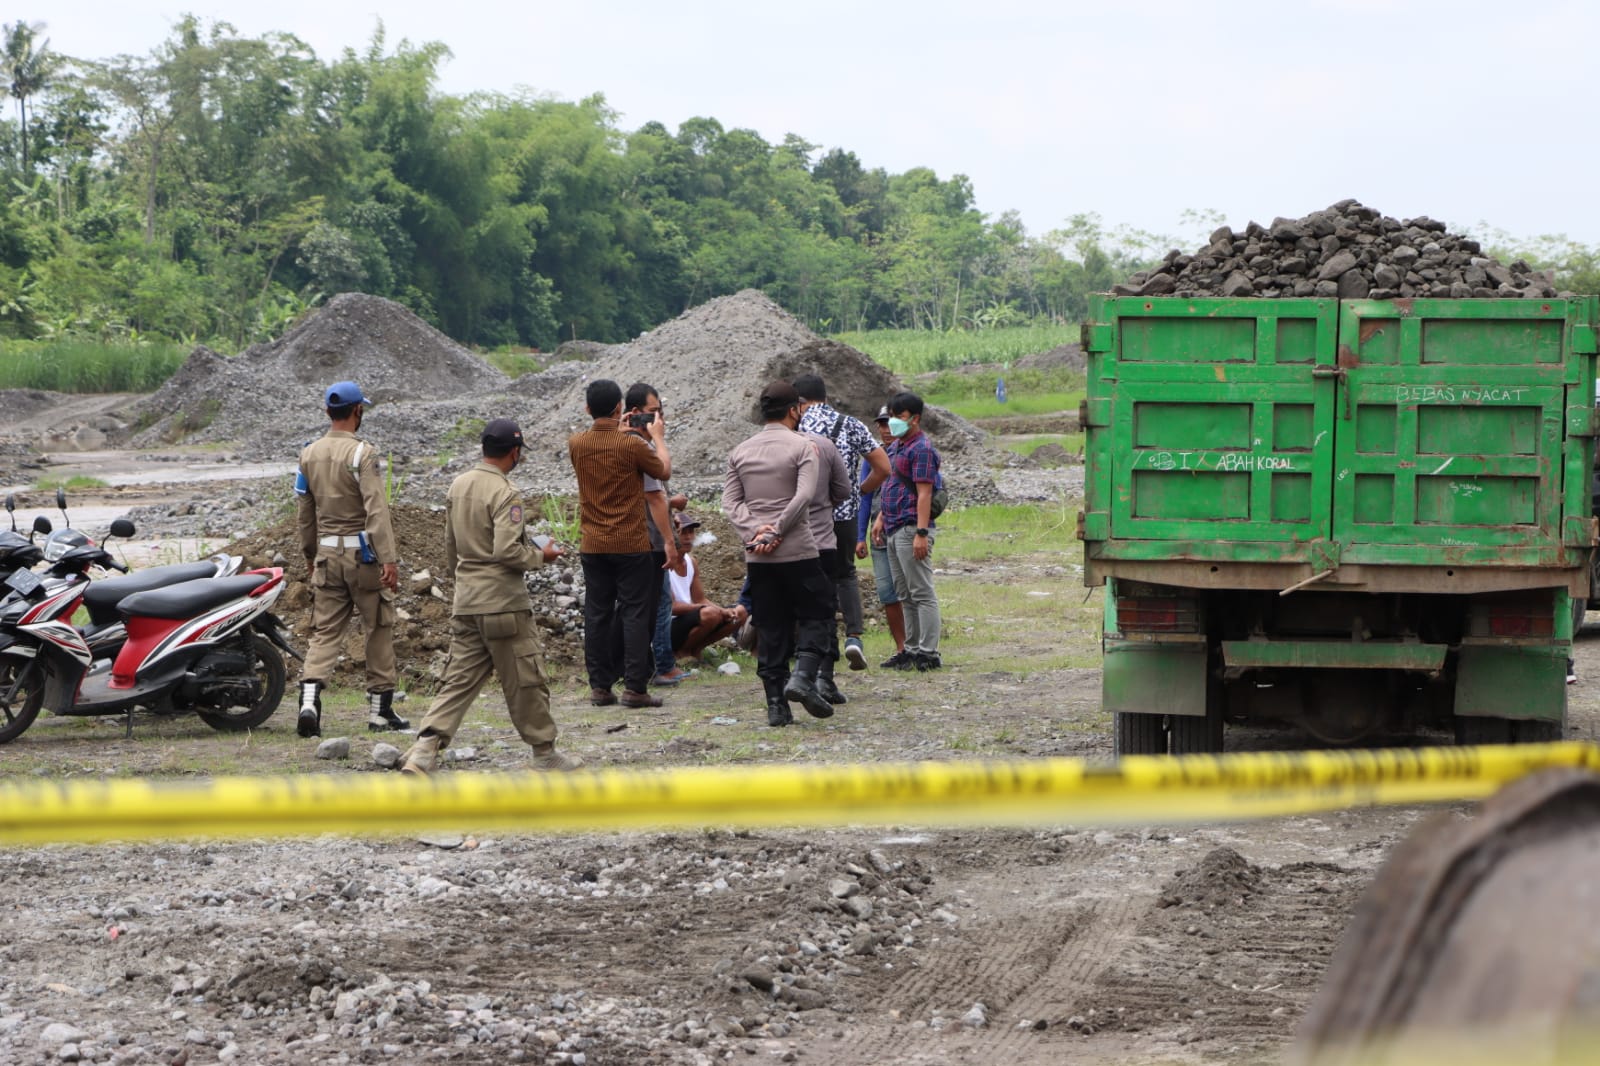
<point x="1347" y="251"/>
<point x="271" y="394"/>
<point x="710" y="365"/>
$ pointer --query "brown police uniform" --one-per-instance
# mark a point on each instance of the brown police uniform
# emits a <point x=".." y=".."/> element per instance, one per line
<point x="491" y="620"/>
<point x="344" y="497"/>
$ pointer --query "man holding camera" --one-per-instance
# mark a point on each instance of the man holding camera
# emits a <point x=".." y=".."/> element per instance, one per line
<point x="643" y="405"/>
<point x="767" y="495"/>
<point x="618" y="568"/>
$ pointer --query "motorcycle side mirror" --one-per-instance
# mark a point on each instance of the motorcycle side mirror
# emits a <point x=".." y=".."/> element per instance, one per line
<point x="61" y="500"/>
<point x="121" y="527"/>
<point x="41" y="524"/>
<point x="11" y="509"/>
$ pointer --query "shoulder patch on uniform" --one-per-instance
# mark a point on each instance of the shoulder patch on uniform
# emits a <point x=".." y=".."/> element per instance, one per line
<point x="516" y="512"/>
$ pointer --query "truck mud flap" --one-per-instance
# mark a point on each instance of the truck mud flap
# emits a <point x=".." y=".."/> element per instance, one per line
<point x="1146" y="677"/>
<point x="1524" y="683"/>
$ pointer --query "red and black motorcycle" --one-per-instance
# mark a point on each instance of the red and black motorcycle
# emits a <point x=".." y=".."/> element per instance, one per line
<point x="209" y="645"/>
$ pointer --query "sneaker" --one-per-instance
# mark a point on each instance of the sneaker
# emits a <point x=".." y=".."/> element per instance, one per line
<point x="1572" y="672"/>
<point x="925" y="662"/>
<point x="553" y="761"/>
<point x="900" y="660"/>
<point x="855" y="654"/>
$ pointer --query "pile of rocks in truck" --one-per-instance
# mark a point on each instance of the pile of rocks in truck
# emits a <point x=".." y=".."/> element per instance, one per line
<point x="1348" y="251"/>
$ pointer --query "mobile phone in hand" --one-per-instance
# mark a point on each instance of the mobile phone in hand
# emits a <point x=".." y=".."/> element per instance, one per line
<point x="541" y="541"/>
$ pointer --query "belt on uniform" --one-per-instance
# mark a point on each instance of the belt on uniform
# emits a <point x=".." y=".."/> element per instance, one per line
<point x="351" y="541"/>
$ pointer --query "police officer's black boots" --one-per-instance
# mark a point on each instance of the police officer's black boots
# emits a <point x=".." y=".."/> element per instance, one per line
<point x="802" y="686"/>
<point x="309" y="723"/>
<point x="778" y="713"/>
<point x="380" y="713"/>
<point x="825" y="685"/>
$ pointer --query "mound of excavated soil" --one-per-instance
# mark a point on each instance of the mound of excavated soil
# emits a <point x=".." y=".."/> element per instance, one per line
<point x="272" y="393"/>
<point x="1347" y="251"/>
<point x="1224" y="877"/>
<point x="710" y="365"/>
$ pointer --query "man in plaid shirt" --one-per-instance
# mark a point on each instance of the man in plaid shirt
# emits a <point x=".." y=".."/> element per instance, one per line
<point x="855" y="443"/>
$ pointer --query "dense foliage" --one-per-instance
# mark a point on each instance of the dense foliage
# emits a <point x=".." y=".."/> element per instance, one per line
<point x="216" y="188"/>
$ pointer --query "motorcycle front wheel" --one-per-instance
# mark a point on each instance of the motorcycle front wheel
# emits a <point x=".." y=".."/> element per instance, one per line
<point x="270" y="678"/>
<point x="21" y="695"/>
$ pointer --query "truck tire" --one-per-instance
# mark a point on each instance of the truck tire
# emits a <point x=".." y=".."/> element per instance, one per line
<point x="1194" y="735"/>
<point x="1139" y="734"/>
<point x="1471" y="731"/>
<point x="1541" y="732"/>
<point x="1198" y="735"/>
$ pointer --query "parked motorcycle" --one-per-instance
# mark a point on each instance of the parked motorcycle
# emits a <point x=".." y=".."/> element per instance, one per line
<point x="210" y="645"/>
<point x="16" y="551"/>
<point x="72" y="555"/>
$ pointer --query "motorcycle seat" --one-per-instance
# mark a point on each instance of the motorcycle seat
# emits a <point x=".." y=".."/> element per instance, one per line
<point x="102" y="597"/>
<point x="191" y="598"/>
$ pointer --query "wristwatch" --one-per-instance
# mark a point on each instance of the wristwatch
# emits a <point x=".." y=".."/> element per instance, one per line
<point x="922" y="532"/>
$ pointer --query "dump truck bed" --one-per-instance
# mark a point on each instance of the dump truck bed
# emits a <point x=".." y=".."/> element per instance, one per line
<point x="1406" y="445"/>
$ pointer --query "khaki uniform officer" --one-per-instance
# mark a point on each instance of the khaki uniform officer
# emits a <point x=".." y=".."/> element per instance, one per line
<point x="349" y="545"/>
<point x="491" y="621"/>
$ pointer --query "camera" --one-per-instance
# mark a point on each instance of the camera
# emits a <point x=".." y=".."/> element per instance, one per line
<point x="640" y="419"/>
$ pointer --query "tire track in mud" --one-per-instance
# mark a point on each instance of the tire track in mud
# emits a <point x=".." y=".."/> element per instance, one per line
<point x="1232" y="971"/>
<point x="1042" y="962"/>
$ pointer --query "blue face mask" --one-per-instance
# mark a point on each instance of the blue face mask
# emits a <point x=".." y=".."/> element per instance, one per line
<point x="898" y="427"/>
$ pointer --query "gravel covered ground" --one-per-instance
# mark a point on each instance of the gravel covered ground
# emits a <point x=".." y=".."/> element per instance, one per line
<point x="914" y="944"/>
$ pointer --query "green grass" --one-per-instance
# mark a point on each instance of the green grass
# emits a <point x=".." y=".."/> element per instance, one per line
<point x="999" y="530"/>
<point x="513" y="362"/>
<point x="71" y="484"/>
<point x="1072" y="442"/>
<point x="1028" y="392"/>
<point x="908" y="352"/>
<point x="87" y="366"/>
<point x="1046" y="403"/>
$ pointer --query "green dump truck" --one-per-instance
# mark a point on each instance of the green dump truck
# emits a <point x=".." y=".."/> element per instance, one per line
<point x="1362" y="516"/>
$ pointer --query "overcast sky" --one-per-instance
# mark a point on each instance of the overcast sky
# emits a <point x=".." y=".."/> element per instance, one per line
<point x="1471" y="111"/>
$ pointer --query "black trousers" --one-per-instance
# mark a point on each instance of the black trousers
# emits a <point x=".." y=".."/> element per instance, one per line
<point x="829" y="562"/>
<point x="792" y="604"/>
<point x="619" y="644"/>
<point x="617" y="593"/>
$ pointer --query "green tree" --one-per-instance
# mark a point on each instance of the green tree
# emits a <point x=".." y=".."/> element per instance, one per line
<point x="27" y="65"/>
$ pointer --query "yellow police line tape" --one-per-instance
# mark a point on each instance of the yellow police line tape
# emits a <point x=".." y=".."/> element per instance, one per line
<point x="984" y="793"/>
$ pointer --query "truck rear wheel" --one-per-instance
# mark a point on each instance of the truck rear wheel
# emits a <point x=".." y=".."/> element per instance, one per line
<point x="1472" y="731"/>
<point x="1195" y="734"/>
<point x="1139" y="734"/>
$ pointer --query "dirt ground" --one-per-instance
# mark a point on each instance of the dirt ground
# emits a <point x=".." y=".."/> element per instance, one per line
<point x="1172" y="943"/>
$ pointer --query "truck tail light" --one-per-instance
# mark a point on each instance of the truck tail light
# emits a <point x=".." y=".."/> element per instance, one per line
<point x="1157" y="614"/>
<point x="1521" y="620"/>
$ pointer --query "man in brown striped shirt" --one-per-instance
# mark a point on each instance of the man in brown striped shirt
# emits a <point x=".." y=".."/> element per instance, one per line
<point x="609" y="459"/>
